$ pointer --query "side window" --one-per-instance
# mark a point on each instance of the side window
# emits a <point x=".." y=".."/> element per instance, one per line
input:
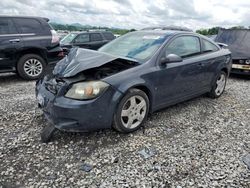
<point x="95" y="37"/>
<point x="184" y="46"/>
<point x="82" y="38"/>
<point x="109" y="36"/>
<point x="208" y="46"/>
<point x="27" y="25"/>
<point x="7" y="26"/>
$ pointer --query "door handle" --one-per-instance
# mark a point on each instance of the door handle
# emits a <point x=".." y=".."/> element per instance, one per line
<point x="14" y="40"/>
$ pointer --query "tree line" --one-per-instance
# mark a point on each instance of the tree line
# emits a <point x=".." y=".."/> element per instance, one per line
<point x="215" y="30"/>
<point x="79" y="27"/>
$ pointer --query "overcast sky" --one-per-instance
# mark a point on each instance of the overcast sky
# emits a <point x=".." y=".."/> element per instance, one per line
<point x="137" y="14"/>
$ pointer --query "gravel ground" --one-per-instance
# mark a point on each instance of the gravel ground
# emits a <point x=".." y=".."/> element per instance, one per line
<point x="198" y="143"/>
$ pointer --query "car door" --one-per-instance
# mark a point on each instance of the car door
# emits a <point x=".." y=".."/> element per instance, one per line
<point x="96" y="40"/>
<point x="10" y="41"/>
<point x="179" y="81"/>
<point x="211" y="61"/>
<point x="82" y="41"/>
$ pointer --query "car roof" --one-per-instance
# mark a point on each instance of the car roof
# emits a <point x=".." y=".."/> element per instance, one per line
<point x="85" y="32"/>
<point x="36" y="17"/>
<point x="166" y="32"/>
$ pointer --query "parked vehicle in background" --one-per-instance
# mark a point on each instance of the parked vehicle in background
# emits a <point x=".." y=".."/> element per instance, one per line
<point x="62" y="34"/>
<point x="238" y="41"/>
<point x="89" y="40"/>
<point x="27" y="45"/>
<point x="212" y="37"/>
<point x="117" y="35"/>
<point x="133" y="75"/>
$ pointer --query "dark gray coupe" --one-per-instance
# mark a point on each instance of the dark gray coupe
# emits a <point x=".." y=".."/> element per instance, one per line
<point x="130" y="77"/>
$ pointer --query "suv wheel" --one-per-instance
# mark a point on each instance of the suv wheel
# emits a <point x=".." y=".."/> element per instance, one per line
<point x="219" y="85"/>
<point x="132" y="111"/>
<point x="31" y="66"/>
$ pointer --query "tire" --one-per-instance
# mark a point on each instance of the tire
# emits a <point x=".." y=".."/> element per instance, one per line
<point x="132" y="111"/>
<point x="217" y="90"/>
<point x="25" y="63"/>
<point x="47" y="133"/>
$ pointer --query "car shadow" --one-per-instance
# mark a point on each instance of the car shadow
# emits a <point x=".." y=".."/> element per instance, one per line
<point x="8" y="78"/>
<point x="239" y="76"/>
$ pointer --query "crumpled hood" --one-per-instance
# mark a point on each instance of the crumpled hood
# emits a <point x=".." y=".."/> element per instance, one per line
<point x="79" y="60"/>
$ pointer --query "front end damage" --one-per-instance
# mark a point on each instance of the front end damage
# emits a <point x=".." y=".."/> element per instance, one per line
<point x="76" y="115"/>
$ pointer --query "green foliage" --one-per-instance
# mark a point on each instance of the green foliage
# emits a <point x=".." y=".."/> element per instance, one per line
<point x="215" y="30"/>
<point x="79" y="27"/>
<point x="238" y="27"/>
<point x="211" y="31"/>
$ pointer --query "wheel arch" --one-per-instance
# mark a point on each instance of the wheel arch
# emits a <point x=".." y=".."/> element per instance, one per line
<point x="224" y="69"/>
<point x="36" y="51"/>
<point x="146" y="90"/>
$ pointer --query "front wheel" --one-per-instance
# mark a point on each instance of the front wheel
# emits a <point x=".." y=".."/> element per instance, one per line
<point x="219" y="85"/>
<point x="132" y="111"/>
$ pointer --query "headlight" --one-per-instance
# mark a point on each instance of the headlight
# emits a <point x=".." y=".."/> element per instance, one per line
<point x="86" y="90"/>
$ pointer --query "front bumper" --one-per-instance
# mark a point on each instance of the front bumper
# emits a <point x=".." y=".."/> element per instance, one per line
<point x="240" y="69"/>
<point x="75" y="115"/>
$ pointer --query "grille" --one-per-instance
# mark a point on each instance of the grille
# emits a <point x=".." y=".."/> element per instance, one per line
<point x="53" y="85"/>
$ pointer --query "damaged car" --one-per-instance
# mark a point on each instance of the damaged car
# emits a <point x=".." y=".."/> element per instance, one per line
<point x="238" y="41"/>
<point x="129" y="78"/>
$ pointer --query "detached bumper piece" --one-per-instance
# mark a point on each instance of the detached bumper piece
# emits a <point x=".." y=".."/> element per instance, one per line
<point x="47" y="133"/>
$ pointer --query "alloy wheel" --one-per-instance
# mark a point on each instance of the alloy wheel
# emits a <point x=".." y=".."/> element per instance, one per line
<point x="33" y="67"/>
<point x="220" y="84"/>
<point x="133" y="112"/>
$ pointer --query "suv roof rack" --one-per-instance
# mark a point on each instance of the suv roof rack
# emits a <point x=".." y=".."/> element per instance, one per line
<point x="176" y="28"/>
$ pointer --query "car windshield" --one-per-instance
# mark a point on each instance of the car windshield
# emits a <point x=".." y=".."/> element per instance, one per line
<point x="68" y="38"/>
<point x="136" y="45"/>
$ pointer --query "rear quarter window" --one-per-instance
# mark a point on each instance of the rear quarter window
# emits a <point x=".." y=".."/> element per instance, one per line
<point x="29" y="26"/>
<point x="208" y="46"/>
<point x="7" y="26"/>
<point x="109" y="36"/>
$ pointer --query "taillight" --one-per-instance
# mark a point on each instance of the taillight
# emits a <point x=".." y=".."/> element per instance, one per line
<point x="61" y="54"/>
<point x="55" y="37"/>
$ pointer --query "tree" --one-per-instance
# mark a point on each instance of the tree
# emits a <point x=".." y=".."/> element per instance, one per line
<point x="238" y="27"/>
<point x="210" y="31"/>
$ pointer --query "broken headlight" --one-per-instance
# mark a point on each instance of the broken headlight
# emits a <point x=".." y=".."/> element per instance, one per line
<point x="86" y="90"/>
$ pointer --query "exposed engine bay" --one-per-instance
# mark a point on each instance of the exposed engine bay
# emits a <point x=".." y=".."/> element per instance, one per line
<point x="108" y="69"/>
<point x="97" y="73"/>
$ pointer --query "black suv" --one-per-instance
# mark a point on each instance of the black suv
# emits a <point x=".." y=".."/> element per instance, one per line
<point x="27" y="45"/>
<point x="90" y="40"/>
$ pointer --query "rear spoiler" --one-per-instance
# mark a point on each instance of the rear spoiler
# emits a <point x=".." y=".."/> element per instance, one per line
<point x="222" y="45"/>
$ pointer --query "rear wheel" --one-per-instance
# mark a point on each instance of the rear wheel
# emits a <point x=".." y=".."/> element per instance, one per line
<point x="219" y="85"/>
<point x="132" y="111"/>
<point x="31" y="66"/>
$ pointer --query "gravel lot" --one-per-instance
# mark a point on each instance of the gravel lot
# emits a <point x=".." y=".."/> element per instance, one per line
<point x="199" y="143"/>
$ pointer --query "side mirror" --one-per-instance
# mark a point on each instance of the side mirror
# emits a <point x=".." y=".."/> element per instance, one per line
<point x="171" y="58"/>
